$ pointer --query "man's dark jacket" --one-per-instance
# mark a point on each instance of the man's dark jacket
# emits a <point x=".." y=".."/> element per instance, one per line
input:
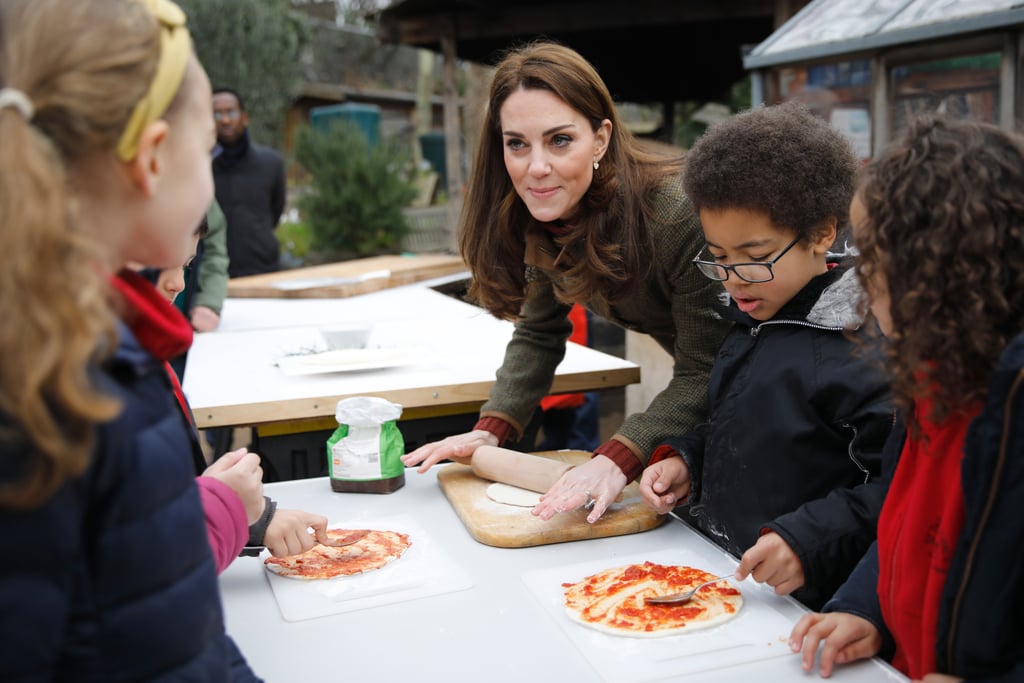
<point x="251" y="190"/>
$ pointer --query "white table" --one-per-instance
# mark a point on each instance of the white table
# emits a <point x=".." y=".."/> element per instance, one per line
<point x="231" y="378"/>
<point x="494" y="631"/>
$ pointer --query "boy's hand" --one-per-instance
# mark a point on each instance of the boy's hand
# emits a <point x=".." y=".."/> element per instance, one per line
<point x="240" y="470"/>
<point x="772" y="561"/>
<point x="288" y="532"/>
<point x="664" y="484"/>
<point x="847" y="638"/>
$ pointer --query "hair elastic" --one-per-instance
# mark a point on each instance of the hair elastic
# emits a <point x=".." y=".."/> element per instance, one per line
<point x="16" y="99"/>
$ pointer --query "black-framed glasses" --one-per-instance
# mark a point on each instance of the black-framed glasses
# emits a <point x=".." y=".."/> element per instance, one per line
<point x="748" y="272"/>
<point x="230" y="114"/>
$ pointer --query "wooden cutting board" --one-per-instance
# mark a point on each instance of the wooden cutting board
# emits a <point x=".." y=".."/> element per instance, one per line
<point x="345" y="278"/>
<point x="507" y="526"/>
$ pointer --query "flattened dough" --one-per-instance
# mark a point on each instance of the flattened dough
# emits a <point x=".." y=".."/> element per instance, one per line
<point x="513" y="495"/>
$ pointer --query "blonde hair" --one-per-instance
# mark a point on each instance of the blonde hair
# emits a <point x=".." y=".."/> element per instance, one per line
<point x="83" y="64"/>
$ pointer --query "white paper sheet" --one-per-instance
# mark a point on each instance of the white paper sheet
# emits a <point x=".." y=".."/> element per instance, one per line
<point x="759" y="631"/>
<point x="423" y="570"/>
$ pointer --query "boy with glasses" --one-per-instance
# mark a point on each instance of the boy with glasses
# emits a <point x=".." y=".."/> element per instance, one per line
<point x="785" y="472"/>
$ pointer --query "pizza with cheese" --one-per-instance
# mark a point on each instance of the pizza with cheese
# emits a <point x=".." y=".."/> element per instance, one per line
<point x="372" y="550"/>
<point x="612" y="601"/>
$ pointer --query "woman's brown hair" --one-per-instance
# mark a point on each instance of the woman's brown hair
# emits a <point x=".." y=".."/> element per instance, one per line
<point x="945" y="233"/>
<point x="609" y="238"/>
<point x="83" y="64"/>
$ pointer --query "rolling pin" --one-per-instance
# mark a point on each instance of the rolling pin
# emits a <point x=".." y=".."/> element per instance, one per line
<point x="526" y="471"/>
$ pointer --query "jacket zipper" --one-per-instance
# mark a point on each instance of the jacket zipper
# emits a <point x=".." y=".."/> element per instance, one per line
<point x="986" y="513"/>
<point x="754" y="331"/>
<point x="853" y="456"/>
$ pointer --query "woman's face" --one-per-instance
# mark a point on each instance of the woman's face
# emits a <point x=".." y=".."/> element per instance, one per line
<point x="550" y="152"/>
<point x="878" y="287"/>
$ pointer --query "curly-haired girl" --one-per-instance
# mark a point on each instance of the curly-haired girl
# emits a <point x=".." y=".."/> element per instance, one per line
<point x="939" y="222"/>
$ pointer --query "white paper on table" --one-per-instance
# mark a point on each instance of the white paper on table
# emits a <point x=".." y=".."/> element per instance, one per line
<point x="347" y="360"/>
<point x="760" y="630"/>
<point x="422" y="570"/>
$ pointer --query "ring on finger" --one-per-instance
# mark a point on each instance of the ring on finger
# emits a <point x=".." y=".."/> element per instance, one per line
<point x="590" y="501"/>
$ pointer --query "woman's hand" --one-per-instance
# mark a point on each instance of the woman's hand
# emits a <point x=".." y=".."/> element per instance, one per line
<point x="772" y="561"/>
<point x="664" y="484"/>
<point x="240" y="470"/>
<point x="288" y="532"/>
<point x="599" y="480"/>
<point x="459" y="448"/>
<point x="846" y="638"/>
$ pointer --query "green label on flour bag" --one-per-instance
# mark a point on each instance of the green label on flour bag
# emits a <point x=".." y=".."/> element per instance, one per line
<point x="365" y="450"/>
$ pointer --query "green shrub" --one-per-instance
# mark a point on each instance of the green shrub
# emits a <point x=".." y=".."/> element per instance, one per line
<point x="255" y="47"/>
<point x="294" y="239"/>
<point x="357" y="193"/>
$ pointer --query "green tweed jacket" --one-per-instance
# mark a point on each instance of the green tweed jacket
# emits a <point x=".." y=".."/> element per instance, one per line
<point x="213" y="272"/>
<point x="674" y="306"/>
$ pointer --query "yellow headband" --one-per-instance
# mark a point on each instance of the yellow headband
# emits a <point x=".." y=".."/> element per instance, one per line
<point x="175" y="48"/>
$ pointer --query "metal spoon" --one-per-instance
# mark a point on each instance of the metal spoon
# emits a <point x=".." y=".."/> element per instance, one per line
<point x="680" y="598"/>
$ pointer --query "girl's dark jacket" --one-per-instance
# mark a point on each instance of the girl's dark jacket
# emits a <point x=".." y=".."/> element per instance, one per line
<point x="981" y="619"/>
<point x="112" y="579"/>
<point x="797" y="421"/>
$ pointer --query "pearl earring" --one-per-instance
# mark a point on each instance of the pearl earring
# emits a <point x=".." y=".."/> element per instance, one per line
<point x="596" y="165"/>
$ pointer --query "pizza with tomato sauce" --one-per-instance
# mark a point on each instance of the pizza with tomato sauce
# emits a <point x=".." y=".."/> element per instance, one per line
<point x="372" y="550"/>
<point x="612" y="601"/>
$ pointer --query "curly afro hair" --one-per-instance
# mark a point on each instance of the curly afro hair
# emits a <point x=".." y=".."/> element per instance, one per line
<point x="782" y="161"/>
<point x="945" y="233"/>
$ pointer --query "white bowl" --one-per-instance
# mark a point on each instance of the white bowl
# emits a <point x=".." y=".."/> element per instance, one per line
<point x="345" y="336"/>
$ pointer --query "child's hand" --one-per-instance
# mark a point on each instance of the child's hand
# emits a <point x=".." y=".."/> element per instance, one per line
<point x="288" y="532"/>
<point x="847" y="638"/>
<point x="204" y="319"/>
<point x="664" y="484"/>
<point x="240" y="470"/>
<point x="772" y="561"/>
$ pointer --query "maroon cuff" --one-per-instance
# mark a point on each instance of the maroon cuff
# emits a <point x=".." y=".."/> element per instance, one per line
<point x="620" y="454"/>
<point x="495" y="425"/>
<point x="663" y="453"/>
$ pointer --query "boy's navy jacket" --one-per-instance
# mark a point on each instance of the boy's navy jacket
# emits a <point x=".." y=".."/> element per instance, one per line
<point x="112" y="579"/>
<point x="980" y="634"/>
<point x="796" y="424"/>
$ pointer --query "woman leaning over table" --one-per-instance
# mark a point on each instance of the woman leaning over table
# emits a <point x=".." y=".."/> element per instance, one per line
<point x="564" y="207"/>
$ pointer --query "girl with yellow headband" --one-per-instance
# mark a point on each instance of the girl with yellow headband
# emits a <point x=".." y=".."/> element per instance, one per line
<point x="106" y="124"/>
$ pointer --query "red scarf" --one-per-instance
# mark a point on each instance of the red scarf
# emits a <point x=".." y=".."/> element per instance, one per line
<point x="160" y="327"/>
<point x="157" y="323"/>
<point x="917" y="534"/>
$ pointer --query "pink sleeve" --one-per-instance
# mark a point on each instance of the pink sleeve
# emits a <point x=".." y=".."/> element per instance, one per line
<point x="226" y="523"/>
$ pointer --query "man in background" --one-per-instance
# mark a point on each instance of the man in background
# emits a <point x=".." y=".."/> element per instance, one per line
<point x="250" y="188"/>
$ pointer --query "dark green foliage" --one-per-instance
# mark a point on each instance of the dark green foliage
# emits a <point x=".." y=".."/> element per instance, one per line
<point x="355" y="200"/>
<point x="253" y="46"/>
